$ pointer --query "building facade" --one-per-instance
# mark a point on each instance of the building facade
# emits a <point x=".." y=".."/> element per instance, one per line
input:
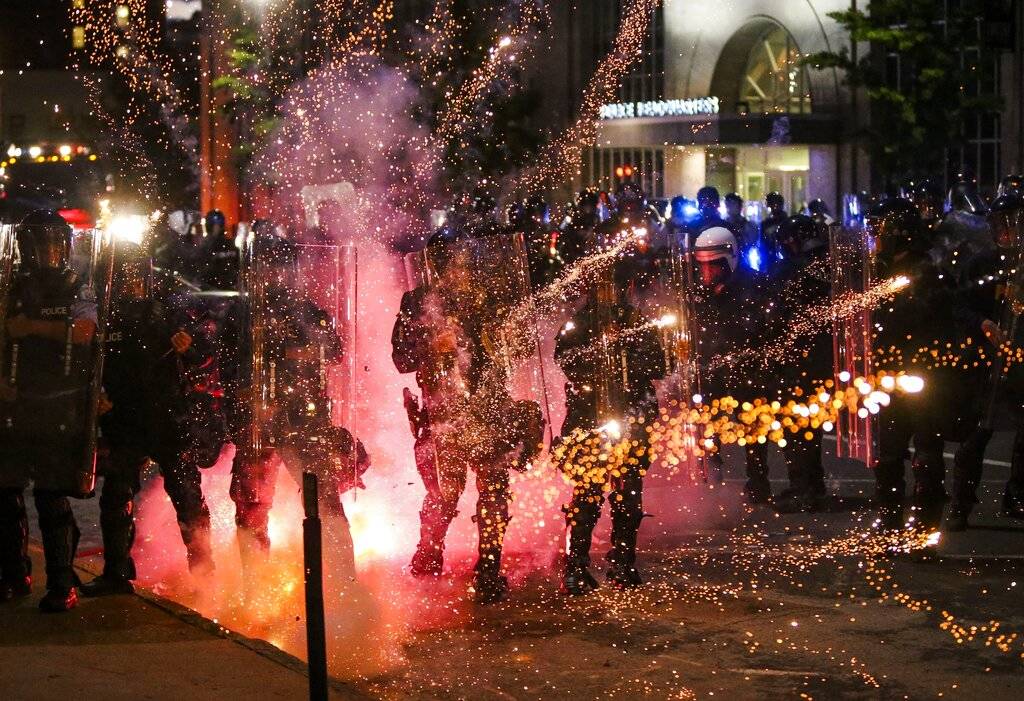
<point x="721" y="98"/>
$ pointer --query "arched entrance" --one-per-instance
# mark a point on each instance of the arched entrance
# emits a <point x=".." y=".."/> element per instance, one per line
<point x="758" y="73"/>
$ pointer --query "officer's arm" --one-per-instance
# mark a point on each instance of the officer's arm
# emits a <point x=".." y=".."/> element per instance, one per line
<point x="407" y="337"/>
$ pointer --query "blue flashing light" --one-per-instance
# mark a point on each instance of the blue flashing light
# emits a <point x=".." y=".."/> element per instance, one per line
<point x="754" y="258"/>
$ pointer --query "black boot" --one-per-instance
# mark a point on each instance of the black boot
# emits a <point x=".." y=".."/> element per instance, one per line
<point x="577" y="580"/>
<point x="1013" y="504"/>
<point x="60" y="542"/>
<point x="427" y="561"/>
<point x="956" y="519"/>
<point x="105" y="585"/>
<point x="198" y="550"/>
<point x="15" y="565"/>
<point x="625" y="525"/>
<point x="11" y="589"/>
<point x="489" y="586"/>
<point x="59" y="600"/>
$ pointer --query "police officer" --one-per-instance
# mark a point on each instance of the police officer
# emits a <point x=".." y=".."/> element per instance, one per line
<point x="532" y="219"/>
<point x="163" y="394"/>
<point x="610" y="356"/>
<point x="298" y="345"/>
<point x="466" y="420"/>
<point x="743" y="229"/>
<point x="776" y="205"/>
<point x="987" y="278"/>
<point x="578" y="234"/>
<point x="799" y="280"/>
<point x="732" y="315"/>
<point x="221" y="266"/>
<point x="50" y="324"/>
<point x="926" y="314"/>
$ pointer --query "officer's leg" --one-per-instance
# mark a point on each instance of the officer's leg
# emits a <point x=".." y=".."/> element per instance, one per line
<point x="1013" y="497"/>
<point x="492" y="483"/>
<point x="968" y="465"/>
<point x="806" y="474"/>
<point x="929" y="468"/>
<point x="758" y="489"/>
<point x="253" y="480"/>
<point x="183" y="484"/>
<point x="60" y="542"/>
<point x="581" y="516"/>
<point x="895" y="429"/>
<point x="444" y="477"/>
<point x="117" y="524"/>
<point x="339" y="550"/>
<point x="15" y="565"/>
<point x="627" y="512"/>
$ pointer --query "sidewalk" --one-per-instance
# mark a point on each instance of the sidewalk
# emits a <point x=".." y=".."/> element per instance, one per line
<point x="136" y="647"/>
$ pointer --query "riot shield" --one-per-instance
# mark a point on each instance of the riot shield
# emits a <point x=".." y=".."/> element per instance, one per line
<point x="8" y="250"/>
<point x="300" y="306"/>
<point x="54" y="409"/>
<point x="852" y="273"/>
<point x="671" y="312"/>
<point x="1008" y="227"/>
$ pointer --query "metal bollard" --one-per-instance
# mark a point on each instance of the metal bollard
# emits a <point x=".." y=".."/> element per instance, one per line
<point x="312" y="555"/>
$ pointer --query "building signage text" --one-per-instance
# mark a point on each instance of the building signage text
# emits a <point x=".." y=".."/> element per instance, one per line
<point x="661" y="108"/>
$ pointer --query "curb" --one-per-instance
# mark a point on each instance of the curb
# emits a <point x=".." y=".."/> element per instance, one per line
<point x="196" y="620"/>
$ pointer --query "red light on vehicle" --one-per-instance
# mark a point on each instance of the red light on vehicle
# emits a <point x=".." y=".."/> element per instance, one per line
<point x="77" y="218"/>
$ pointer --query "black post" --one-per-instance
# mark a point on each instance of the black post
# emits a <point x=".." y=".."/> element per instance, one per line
<point x="312" y="555"/>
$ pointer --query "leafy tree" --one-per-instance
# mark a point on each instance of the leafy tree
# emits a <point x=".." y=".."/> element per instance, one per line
<point x="923" y="87"/>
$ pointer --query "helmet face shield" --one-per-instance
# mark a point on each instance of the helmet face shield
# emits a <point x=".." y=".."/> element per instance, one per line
<point x="44" y="241"/>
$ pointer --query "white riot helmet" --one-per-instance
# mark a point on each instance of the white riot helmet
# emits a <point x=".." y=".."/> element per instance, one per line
<point x="717" y="243"/>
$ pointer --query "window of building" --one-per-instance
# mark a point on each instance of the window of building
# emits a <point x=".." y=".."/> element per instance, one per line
<point x="774" y="81"/>
<point x="648" y="164"/>
<point x="78" y="37"/>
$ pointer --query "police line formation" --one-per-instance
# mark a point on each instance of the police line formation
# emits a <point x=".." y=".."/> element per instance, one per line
<point x="665" y="314"/>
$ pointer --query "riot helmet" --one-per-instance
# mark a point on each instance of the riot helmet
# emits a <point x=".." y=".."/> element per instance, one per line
<point x="1006" y="217"/>
<point x="897" y="230"/>
<point x="733" y="206"/>
<point x="796" y="233"/>
<point x="44" y="241"/>
<point x="776" y="203"/>
<point x="216" y="224"/>
<point x="926" y="196"/>
<point x="717" y="255"/>
<point x="538" y="210"/>
<point x="708" y="201"/>
<point x="630" y="199"/>
<point x="964" y="197"/>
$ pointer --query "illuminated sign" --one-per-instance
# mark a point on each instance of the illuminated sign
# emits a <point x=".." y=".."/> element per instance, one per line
<point x="661" y="108"/>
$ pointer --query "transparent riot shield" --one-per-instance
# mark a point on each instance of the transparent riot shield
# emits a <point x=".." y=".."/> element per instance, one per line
<point x="851" y="267"/>
<point x="54" y="407"/>
<point x="671" y="312"/>
<point x="502" y="269"/>
<point x="302" y="321"/>
<point x="1008" y="228"/>
<point x="8" y="251"/>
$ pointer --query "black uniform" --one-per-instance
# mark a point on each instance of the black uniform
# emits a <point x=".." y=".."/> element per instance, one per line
<point x="467" y="421"/>
<point x="638" y="360"/>
<point x="166" y="407"/>
<point x="734" y="317"/>
<point x="983" y="285"/>
<point x="300" y="344"/>
<point x="798" y="281"/>
<point x="42" y="432"/>
<point x="929" y="313"/>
